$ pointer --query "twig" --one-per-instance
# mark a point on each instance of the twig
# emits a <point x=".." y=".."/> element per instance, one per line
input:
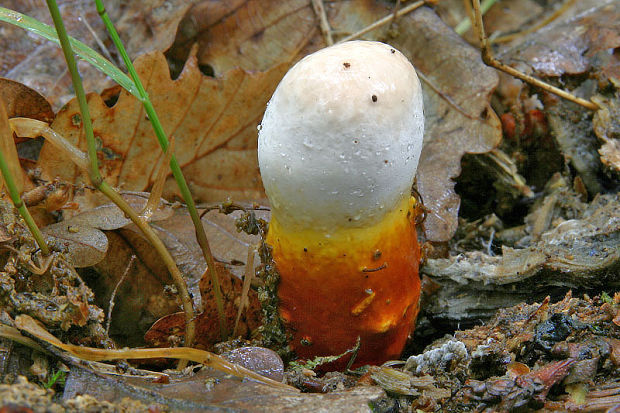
<point x="98" y="40"/>
<point x="395" y="13"/>
<point x="113" y="296"/>
<point x="245" y="290"/>
<point x="381" y="22"/>
<point x="465" y="24"/>
<point x="447" y="98"/>
<point x="488" y="58"/>
<point x="319" y="9"/>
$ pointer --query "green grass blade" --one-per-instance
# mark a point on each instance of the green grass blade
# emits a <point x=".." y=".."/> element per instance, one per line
<point x="82" y="50"/>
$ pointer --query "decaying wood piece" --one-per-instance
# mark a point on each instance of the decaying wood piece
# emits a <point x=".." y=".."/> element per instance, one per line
<point x="580" y="251"/>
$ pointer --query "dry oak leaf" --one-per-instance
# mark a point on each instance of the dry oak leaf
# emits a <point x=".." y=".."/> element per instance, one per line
<point x="22" y="101"/>
<point x="213" y="122"/>
<point x="258" y="34"/>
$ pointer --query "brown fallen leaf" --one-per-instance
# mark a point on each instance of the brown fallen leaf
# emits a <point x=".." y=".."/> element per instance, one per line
<point x="22" y="101"/>
<point x="213" y="121"/>
<point x="256" y="35"/>
<point x="459" y="119"/>
<point x="81" y="236"/>
<point x="9" y="154"/>
<point x="575" y="42"/>
<point x="208" y="390"/>
<point x="606" y="123"/>
<point x="172" y="326"/>
<point x="84" y="244"/>
<point x="146" y="26"/>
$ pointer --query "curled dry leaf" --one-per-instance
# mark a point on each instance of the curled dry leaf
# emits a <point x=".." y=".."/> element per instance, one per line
<point x="228" y="247"/>
<point x="213" y="121"/>
<point x="81" y="236"/>
<point x="169" y="328"/>
<point x="22" y="101"/>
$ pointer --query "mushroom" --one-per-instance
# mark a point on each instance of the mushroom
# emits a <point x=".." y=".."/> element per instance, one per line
<point x="338" y="149"/>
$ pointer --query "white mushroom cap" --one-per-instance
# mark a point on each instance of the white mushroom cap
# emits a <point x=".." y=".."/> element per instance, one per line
<point x="340" y="140"/>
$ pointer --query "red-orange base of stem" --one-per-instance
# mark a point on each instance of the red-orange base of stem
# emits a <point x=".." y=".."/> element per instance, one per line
<point x="359" y="282"/>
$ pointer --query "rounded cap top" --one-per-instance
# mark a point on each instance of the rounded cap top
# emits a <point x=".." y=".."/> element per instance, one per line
<point x="340" y="140"/>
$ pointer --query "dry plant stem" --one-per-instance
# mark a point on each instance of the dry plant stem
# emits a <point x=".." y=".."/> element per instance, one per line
<point x="32" y="327"/>
<point x="394" y="12"/>
<point x="488" y="58"/>
<point x="21" y="208"/>
<point x="201" y="235"/>
<point x="319" y="9"/>
<point x="101" y="185"/>
<point x="447" y="98"/>
<point x="382" y="22"/>
<point x="98" y="40"/>
<point x="33" y="128"/>
<point x="13" y="334"/>
<point x="113" y="295"/>
<point x="195" y="355"/>
<point x="465" y="24"/>
<point x="13" y="188"/>
<point x="158" y="185"/>
<point x="247" y="282"/>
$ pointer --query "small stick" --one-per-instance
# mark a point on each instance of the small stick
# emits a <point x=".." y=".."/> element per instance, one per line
<point x="247" y="282"/>
<point x="394" y="12"/>
<point x="98" y="40"/>
<point x="381" y="22"/>
<point x="465" y="24"/>
<point x="120" y="281"/>
<point x="445" y="97"/>
<point x="319" y="9"/>
<point x="488" y="58"/>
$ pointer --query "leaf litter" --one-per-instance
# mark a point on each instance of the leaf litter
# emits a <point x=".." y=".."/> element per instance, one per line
<point x="497" y="371"/>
